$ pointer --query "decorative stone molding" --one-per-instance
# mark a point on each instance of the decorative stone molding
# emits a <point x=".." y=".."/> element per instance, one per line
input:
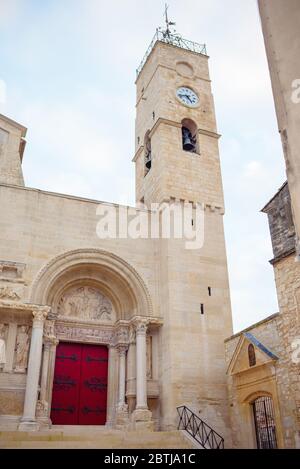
<point x="11" y="271"/>
<point x="9" y="294"/>
<point x="84" y="333"/>
<point x="214" y="209"/>
<point x="17" y="308"/>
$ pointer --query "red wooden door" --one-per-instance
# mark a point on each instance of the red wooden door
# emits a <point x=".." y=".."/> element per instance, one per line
<point x="80" y="385"/>
<point x="93" y="388"/>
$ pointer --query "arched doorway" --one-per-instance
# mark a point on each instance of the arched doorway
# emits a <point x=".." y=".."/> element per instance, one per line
<point x="264" y="420"/>
<point x="100" y="322"/>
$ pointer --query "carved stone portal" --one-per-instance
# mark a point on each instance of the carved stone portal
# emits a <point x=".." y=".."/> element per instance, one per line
<point x="86" y="303"/>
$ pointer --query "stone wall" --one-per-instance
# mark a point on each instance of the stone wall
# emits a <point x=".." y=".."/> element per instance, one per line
<point x="280" y="24"/>
<point x="281" y="224"/>
<point x="281" y="334"/>
<point x="287" y="277"/>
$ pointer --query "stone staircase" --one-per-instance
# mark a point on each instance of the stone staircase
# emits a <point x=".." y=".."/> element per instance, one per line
<point x="69" y="437"/>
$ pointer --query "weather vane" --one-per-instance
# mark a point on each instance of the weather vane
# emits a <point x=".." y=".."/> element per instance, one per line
<point x="167" y="32"/>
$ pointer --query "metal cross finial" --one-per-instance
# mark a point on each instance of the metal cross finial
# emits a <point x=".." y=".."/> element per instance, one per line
<point x="168" y="23"/>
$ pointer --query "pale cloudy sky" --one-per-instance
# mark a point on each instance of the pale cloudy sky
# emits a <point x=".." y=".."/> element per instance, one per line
<point x="69" y="69"/>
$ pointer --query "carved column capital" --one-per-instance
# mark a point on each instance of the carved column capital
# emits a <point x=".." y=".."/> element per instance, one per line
<point x="50" y="342"/>
<point x="132" y="338"/>
<point x="39" y="317"/>
<point x="141" y="326"/>
<point x="122" y="349"/>
<point x="122" y="336"/>
<point x="49" y="332"/>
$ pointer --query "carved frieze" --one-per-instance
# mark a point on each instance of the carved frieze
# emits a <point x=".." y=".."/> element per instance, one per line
<point x="85" y="303"/>
<point x="8" y="294"/>
<point x="84" y="334"/>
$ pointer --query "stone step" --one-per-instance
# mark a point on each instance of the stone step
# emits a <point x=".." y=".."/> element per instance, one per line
<point x="112" y="439"/>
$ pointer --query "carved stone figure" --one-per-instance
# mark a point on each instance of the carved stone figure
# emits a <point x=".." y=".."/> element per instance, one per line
<point x="85" y="303"/>
<point x="2" y="345"/>
<point x="22" y="348"/>
<point x="7" y="293"/>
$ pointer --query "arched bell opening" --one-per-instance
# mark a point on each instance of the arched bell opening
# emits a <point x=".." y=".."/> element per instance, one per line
<point x="148" y="152"/>
<point x="189" y="132"/>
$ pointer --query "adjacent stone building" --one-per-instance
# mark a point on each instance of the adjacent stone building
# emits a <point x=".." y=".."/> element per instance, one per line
<point x="264" y="360"/>
<point x="280" y="20"/>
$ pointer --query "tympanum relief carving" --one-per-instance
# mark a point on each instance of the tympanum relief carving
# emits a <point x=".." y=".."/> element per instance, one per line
<point x="86" y="303"/>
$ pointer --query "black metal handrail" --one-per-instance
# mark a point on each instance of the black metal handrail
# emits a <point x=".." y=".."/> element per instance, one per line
<point x="198" y="429"/>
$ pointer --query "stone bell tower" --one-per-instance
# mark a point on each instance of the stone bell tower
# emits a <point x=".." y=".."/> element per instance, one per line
<point x="177" y="159"/>
<point x="174" y="94"/>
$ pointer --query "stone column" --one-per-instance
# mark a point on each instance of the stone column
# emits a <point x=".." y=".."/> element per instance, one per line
<point x="131" y="374"/>
<point x="42" y="403"/>
<point x="141" y="413"/>
<point x="111" y="386"/>
<point x="52" y="355"/>
<point x="122" y="408"/>
<point x="28" y="421"/>
<point x="45" y="366"/>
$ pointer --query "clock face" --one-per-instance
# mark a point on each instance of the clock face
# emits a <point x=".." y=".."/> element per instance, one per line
<point x="187" y="96"/>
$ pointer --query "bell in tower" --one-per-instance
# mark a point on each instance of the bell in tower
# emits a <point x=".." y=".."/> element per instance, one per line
<point x="188" y="141"/>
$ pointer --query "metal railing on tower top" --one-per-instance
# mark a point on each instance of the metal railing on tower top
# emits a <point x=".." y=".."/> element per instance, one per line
<point x="175" y="40"/>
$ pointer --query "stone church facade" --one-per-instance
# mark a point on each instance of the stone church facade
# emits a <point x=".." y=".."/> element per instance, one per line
<point x="152" y="313"/>
<point x="120" y="331"/>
